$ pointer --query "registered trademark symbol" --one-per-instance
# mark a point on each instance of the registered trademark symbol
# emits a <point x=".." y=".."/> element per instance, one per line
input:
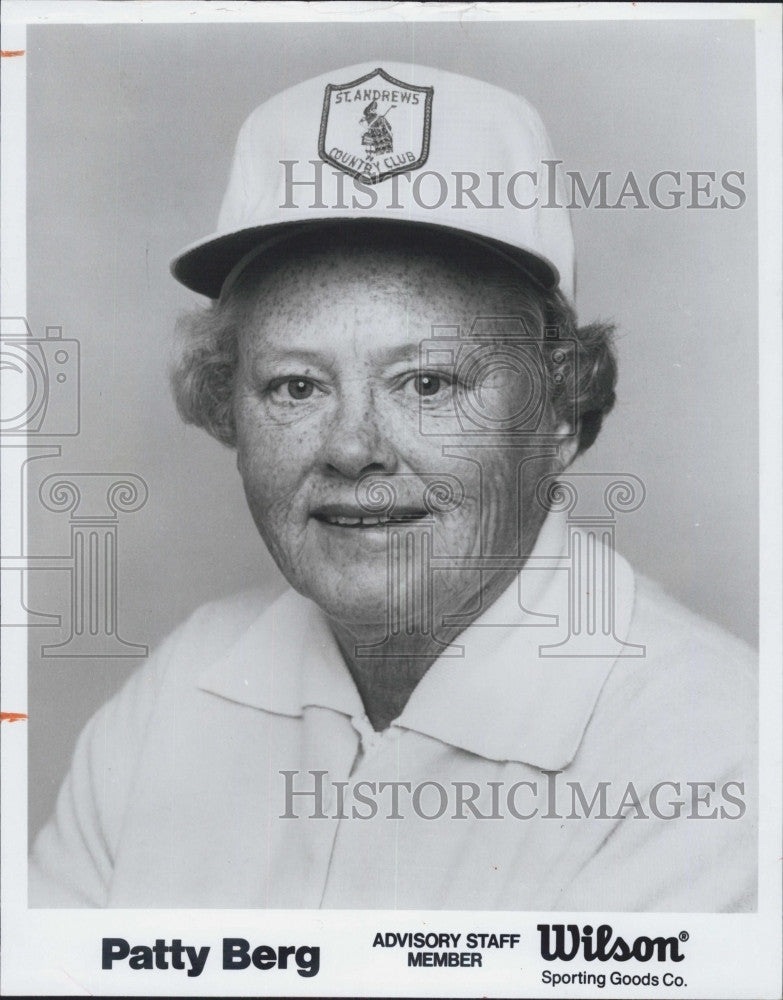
<point x="684" y="935"/>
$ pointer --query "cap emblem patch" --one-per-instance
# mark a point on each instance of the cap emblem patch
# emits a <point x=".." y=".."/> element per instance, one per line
<point x="376" y="126"/>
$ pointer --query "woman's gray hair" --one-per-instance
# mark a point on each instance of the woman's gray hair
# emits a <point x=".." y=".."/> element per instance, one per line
<point x="205" y="364"/>
<point x="580" y="363"/>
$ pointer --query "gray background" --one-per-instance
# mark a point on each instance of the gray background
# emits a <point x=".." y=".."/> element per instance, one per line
<point x="130" y="135"/>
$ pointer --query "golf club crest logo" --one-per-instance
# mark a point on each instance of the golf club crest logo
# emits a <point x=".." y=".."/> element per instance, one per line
<point x="375" y="127"/>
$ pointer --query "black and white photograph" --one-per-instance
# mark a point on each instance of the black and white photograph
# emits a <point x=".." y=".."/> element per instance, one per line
<point x="391" y="535"/>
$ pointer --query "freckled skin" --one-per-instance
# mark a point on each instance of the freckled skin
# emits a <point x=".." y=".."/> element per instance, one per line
<point x="333" y="329"/>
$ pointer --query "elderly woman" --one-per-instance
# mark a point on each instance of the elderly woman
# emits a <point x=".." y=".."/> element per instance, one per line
<point x="407" y="725"/>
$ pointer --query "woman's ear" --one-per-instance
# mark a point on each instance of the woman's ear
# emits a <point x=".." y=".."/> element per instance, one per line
<point x="568" y="444"/>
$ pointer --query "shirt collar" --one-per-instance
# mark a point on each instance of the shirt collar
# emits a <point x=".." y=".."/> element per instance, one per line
<point x="287" y="659"/>
<point x="494" y="692"/>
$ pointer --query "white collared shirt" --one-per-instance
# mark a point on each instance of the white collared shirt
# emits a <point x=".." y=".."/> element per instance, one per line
<point x="523" y="780"/>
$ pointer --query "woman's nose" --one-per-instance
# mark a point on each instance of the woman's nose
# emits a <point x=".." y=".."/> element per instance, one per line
<point x="356" y="441"/>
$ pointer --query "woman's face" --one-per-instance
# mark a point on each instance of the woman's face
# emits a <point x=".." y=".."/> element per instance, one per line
<point x="332" y="389"/>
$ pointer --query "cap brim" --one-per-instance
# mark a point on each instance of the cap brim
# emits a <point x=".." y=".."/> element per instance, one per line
<point x="204" y="266"/>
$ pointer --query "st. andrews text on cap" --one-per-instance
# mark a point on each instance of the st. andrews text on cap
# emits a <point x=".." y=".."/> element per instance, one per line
<point x="403" y="143"/>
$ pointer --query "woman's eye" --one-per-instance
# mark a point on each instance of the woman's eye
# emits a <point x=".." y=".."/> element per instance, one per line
<point x="293" y="388"/>
<point x="427" y="385"/>
<point x="299" y="388"/>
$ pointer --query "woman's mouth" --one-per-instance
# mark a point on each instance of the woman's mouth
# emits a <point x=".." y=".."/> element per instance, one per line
<point x="355" y="519"/>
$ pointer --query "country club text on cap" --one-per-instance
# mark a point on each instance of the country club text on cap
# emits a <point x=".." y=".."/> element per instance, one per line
<point x="403" y="143"/>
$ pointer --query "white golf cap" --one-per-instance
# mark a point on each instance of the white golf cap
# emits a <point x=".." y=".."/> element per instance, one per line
<point x="397" y="142"/>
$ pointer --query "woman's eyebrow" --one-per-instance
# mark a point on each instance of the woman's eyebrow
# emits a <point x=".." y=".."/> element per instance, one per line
<point x="403" y="352"/>
<point x="282" y="354"/>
